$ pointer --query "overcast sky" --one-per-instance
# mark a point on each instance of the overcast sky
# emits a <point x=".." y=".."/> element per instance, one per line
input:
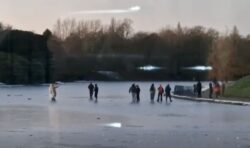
<point x="37" y="15"/>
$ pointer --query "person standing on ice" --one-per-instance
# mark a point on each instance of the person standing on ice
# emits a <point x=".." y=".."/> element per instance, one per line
<point x="210" y="90"/>
<point x="52" y="92"/>
<point x="199" y="89"/>
<point x="152" y="92"/>
<point x="168" y="93"/>
<point x="132" y="90"/>
<point x="138" y="90"/>
<point x="160" y="93"/>
<point x="96" y="90"/>
<point x="91" y="90"/>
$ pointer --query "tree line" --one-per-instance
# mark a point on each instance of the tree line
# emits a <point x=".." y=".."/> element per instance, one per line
<point x="24" y="56"/>
<point x="230" y="56"/>
<point x="90" y="46"/>
<point x="89" y="49"/>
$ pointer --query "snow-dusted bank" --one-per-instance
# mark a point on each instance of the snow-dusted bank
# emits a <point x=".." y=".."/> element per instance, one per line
<point x="220" y="101"/>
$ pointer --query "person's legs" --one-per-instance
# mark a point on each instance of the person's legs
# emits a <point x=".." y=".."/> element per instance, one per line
<point x="96" y="95"/>
<point x="138" y="98"/>
<point x="53" y="99"/>
<point x="91" y="94"/>
<point x="158" y="98"/>
<point x="217" y="95"/>
<point x="151" y="96"/>
<point x="134" y="97"/>
<point x="199" y="94"/>
<point x="210" y="95"/>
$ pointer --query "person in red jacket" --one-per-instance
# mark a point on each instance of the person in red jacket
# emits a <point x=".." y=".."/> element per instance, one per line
<point x="160" y="93"/>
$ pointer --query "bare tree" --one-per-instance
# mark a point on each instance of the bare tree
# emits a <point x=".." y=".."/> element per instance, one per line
<point x="63" y="28"/>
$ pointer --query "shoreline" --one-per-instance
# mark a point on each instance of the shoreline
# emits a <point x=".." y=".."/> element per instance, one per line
<point x="100" y="81"/>
<point x="218" y="101"/>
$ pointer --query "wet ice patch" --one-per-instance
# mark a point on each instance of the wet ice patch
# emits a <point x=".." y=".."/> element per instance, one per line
<point x="134" y="126"/>
<point x="172" y="115"/>
<point x="114" y="125"/>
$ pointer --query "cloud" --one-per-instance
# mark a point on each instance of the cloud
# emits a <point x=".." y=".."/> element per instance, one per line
<point x="108" y="11"/>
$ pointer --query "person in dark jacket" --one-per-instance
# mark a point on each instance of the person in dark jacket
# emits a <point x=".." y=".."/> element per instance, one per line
<point x="210" y="90"/>
<point x="91" y="90"/>
<point x="168" y="93"/>
<point x="138" y="90"/>
<point x="132" y="90"/>
<point x="152" y="92"/>
<point x="199" y="89"/>
<point x="195" y="89"/>
<point x="96" y="90"/>
<point x="223" y="88"/>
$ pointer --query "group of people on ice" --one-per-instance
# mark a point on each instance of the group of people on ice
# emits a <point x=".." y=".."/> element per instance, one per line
<point x="93" y="89"/>
<point x="135" y="92"/>
<point x="215" y="89"/>
<point x="161" y="91"/>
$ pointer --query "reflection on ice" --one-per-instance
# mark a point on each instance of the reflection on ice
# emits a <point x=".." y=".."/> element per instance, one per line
<point x="114" y="125"/>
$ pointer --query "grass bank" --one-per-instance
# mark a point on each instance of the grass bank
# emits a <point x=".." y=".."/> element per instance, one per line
<point x="240" y="89"/>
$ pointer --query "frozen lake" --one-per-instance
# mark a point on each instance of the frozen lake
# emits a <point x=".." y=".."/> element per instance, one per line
<point x="28" y="119"/>
<point x="79" y="90"/>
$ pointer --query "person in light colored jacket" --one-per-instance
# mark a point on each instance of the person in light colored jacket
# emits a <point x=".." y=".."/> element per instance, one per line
<point x="52" y="91"/>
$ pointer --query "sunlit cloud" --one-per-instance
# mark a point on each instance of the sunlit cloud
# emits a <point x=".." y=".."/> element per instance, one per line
<point x="108" y="11"/>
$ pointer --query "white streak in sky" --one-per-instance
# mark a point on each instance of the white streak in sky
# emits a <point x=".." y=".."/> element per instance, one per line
<point x="111" y="11"/>
<point x="199" y="68"/>
<point x="149" y="68"/>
